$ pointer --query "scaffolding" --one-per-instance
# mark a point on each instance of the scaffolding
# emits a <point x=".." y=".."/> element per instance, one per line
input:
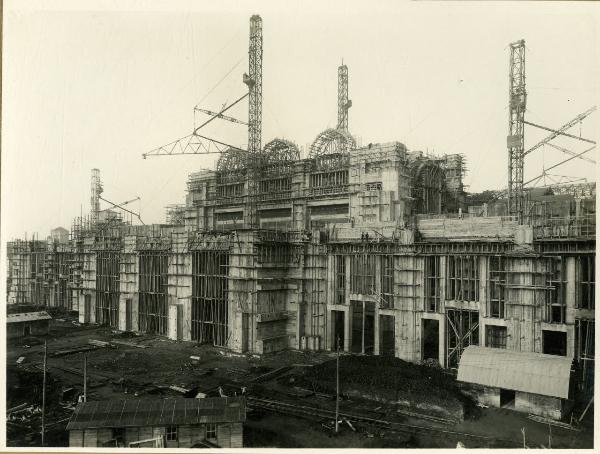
<point x="153" y="292"/>
<point x="209" y="322"/>
<point x="107" y="288"/>
<point x="462" y="330"/>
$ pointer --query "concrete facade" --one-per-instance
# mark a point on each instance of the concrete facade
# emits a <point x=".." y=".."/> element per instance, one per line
<point x="365" y="247"/>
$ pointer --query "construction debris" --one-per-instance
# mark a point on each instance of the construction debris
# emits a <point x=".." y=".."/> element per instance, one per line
<point x="552" y="422"/>
<point x="128" y="344"/>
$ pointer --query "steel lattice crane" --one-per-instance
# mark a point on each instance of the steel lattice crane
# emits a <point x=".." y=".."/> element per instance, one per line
<point x="516" y="140"/>
<point x="343" y="102"/>
<point x="196" y="143"/>
<point x="254" y="82"/>
<point x="516" y="124"/>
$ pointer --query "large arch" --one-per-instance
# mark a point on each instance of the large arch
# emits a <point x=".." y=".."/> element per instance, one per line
<point x="428" y="186"/>
<point x="232" y="160"/>
<point x="330" y="142"/>
<point x="281" y="151"/>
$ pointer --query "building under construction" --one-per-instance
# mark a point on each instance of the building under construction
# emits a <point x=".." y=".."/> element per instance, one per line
<point x="374" y="248"/>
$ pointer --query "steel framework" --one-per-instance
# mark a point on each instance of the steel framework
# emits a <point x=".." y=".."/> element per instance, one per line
<point x="516" y="124"/>
<point x="96" y="190"/>
<point x="343" y="102"/>
<point x="561" y="131"/>
<point x="254" y="82"/>
<point x="331" y="141"/>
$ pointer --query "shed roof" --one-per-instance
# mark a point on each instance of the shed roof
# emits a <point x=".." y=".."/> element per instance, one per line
<point x="27" y="317"/>
<point x="534" y="373"/>
<point x="157" y="412"/>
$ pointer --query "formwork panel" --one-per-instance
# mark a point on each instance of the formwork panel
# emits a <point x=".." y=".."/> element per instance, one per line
<point x="210" y="269"/>
<point x="153" y="305"/>
<point x="107" y="288"/>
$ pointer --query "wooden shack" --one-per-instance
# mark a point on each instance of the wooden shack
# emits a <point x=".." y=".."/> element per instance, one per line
<point x="27" y="324"/>
<point x="169" y="423"/>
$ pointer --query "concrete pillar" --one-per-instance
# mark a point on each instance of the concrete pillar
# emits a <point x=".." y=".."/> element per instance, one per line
<point x="362" y="346"/>
<point x="135" y="313"/>
<point x="81" y="307"/>
<point x="442" y="325"/>
<point x="347" y="289"/>
<point x="571" y="288"/>
<point x="442" y="340"/>
<point x="347" y="329"/>
<point x="327" y="341"/>
<point x="123" y="312"/>
<point x="172" y="322"/>
<point x="443" y="269"/>
<point x="376" y="346"/>
<point x="348" y="313"/>
<point x="92" y="316"/>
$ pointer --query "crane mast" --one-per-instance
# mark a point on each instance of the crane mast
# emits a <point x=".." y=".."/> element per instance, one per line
<point x="96" y="191"/>
<point x="343" y="102"/>
<point x="516" y="124"/>
<point x="254" y="82"/>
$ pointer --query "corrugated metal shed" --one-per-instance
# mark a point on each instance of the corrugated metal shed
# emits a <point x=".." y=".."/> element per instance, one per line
<point x="534" y="373"/>
<point x="157" y="412"/>
<point x="27" y="317"/>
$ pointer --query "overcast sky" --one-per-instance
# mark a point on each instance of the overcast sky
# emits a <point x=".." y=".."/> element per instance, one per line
<point x="96" y="84"/>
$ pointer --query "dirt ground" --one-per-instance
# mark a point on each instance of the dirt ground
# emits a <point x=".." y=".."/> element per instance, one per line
<point x="130" y="372"/>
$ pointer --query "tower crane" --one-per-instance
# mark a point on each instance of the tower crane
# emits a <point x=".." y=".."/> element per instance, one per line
<point x="343" y="102"/>
<point x="516" y="141"/>
<point x="196" y="143"/>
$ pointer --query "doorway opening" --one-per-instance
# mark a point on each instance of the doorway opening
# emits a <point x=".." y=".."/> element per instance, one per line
<point x="507" y="398"/>
<point x="363" y="327"/>
<point x="337" y="330"/>
<point x="431" y="339"/>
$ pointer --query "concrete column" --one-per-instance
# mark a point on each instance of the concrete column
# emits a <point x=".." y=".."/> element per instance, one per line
<point x="571" y="288"/>
<point x="483" y="295"/>
<point x="81" y="307"/>
<point x="443" y="268"/>
<point x="442" y="340"/>
<point x="92" y="317"/>
<point x="123" y="312"/>
<point x="378" y="270"/>
<point x="172" y="322"/>
<point x="377" y="332"/>
<point x="399" y="336"/>
<point x="329" y="341"/>
<point x="135" y="313"/>
<point x="483" y="283"/>
<point x="347" y="289"/>
<point x="300" y="310"/>
<point x="347" y="329"/>
<point x="362" y="347"/>
<point x="330" y="296"/>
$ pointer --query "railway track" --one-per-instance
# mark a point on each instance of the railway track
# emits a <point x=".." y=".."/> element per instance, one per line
<point x="319" y="414"/>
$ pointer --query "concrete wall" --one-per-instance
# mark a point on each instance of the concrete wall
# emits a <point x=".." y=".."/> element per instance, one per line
<point x="546" y="406"/>
<point x="21" y="329"/>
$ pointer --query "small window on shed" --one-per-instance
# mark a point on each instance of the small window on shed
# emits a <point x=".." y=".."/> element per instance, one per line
<point x="211" y="431"/>
<point x="171" y="433"/>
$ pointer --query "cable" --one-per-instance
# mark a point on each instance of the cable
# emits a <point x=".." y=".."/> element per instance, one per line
<point x="220" y="81"/>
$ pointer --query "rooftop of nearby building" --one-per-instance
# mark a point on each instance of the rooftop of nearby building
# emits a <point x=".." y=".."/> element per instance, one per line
<point x="27" y="317"/>
<point x="530" y="372"/>
<point x="157" y="412"/>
